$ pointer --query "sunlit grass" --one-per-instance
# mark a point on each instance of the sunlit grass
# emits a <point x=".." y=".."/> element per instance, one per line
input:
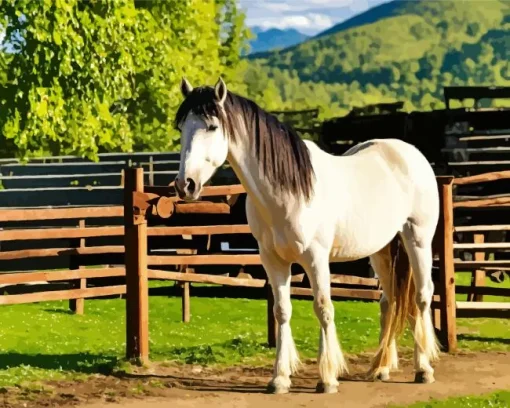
<point x="46" y="341"/>
<point x="500" y="399"/>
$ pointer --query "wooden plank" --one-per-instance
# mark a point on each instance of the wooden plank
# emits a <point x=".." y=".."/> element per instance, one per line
<point x="477" y="149"/>
<point x="480" y="163"/>
<point x="483" y="305"/>
<point x="469" y="265"/>
<point x="204" y="260"/>
<point x="62" y="295"/>
<point x="482" y="290"/>
<point x="109" y="231"/>
<point x="16" y="278"/>
<point x="202" y="207"/>
<point x="480" y="228"/>
<point x="482" y="178"/>
<point x="446" y="284"/>
<point x="203" y="278"/>
<point x="59" y="233"/>
<point x="43" y="253"/>
<point x="482" y="245"/>
<point x="483" y="138"/>
<point x="490" y="202"/>
<point x="39" y="214"/>
<point x="137" y="288"/>
<point x="354" y="280"/>
<point x="369" y="294"/>
<point x="297" y="278"/>
<point x="208" y="191"/>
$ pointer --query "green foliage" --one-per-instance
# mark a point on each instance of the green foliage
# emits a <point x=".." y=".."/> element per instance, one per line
<point x="87" y="77"/>
<point x="408" y="52"/>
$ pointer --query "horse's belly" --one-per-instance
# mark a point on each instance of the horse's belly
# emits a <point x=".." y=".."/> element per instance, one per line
<point x="352" y="242"/>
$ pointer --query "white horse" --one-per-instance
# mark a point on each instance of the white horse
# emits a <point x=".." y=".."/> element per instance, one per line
<point x="308" y="207"/>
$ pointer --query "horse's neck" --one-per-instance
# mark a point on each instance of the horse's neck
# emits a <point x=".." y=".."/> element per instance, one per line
<point x="261" y="192"/>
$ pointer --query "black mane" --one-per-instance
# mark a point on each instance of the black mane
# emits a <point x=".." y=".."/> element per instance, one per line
<point x="283" y="157"/>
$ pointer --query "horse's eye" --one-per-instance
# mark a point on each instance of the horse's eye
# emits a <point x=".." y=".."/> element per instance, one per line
<point x="212" y="128"/>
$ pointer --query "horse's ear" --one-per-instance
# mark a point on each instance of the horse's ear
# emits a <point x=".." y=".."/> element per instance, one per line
<point x="186" y="87"/>
<point x="220" y="90"/>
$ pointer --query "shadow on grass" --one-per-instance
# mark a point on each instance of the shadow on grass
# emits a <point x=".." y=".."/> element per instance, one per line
<point x="471" y="337"/>
<point x="60" y="311"/>
<point x="98" y="363"/>
<point x="80" y="362"/>
<point x="224" y="352"/>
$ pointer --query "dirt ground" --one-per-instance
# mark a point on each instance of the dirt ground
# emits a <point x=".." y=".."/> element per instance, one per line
<point x="242" y="387"/>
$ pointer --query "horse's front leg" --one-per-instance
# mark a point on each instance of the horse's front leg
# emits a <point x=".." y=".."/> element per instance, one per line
<point x="287" y="360"/>
<point x="331" y="360"/>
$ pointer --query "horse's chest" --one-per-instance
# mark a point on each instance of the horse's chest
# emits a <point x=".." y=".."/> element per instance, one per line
<point x="287" y="237"/>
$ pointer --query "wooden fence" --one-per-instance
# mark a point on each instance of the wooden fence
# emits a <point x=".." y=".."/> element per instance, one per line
<point x="169" y="240"/>
<point x="445" y="306"/>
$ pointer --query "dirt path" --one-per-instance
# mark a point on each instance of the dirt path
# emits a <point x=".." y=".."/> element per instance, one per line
<point x="462" y="374"/>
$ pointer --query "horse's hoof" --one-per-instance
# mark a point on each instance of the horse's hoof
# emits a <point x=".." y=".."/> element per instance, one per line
<point x="383" y="376"/>
<point x="326" y="388"/>
<point x="276" y="389"/>
<point x="423" y="377"/>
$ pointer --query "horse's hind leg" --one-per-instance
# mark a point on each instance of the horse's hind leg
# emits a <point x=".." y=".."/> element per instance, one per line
<point x="386" y="358"/>
<point x="331" y="360"/>
<point x="418" y="243"/>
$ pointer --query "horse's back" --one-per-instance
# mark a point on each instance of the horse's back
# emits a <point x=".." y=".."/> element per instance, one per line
<point x="370" y="192"/>
<point x="407" y="166"/>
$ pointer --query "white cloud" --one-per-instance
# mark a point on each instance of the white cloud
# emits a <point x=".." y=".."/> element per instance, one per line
<point x="308" y="16"/>
<point x="308" y="22"/>
<point x="303" y="5"/>
<point x="277" y="7"/>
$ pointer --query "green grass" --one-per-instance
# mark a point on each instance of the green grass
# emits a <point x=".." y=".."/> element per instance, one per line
<point x="482" y="334"/>
<point x="500" y="399"/>
<point x="464" y="279"/>
<point x="46" y="341"/>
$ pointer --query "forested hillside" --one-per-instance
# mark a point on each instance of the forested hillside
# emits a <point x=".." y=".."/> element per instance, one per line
<point x="405" y="50"/>
<point x="274" y="38"/>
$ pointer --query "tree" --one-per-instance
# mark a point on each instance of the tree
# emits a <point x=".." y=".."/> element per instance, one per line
<point x="86" y="77"/>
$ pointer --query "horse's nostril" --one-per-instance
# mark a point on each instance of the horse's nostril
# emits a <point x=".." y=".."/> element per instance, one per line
<point x="191" y="185"/>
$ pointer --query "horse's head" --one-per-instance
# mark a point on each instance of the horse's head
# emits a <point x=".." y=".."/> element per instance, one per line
<point x="204" y="142"/>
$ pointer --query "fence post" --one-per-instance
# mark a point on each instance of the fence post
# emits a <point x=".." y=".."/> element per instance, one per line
<point x="185" y="298"/>
<point x="135" y="258"/>
<point x="478" y="276"/>
<point x="78" y="305"/>
<point x="446" y="289"/>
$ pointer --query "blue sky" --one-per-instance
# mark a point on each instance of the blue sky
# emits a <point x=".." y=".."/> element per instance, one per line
<point x="307" y="16"/>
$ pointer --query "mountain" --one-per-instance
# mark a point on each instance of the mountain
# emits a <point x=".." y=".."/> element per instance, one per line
<point x="373" y="15"/>
<point x="401" y="50"/>
<point x="275" y="38"/>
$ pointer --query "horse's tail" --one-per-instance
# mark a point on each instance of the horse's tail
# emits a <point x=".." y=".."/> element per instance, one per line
<point x="401" y="303"/>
